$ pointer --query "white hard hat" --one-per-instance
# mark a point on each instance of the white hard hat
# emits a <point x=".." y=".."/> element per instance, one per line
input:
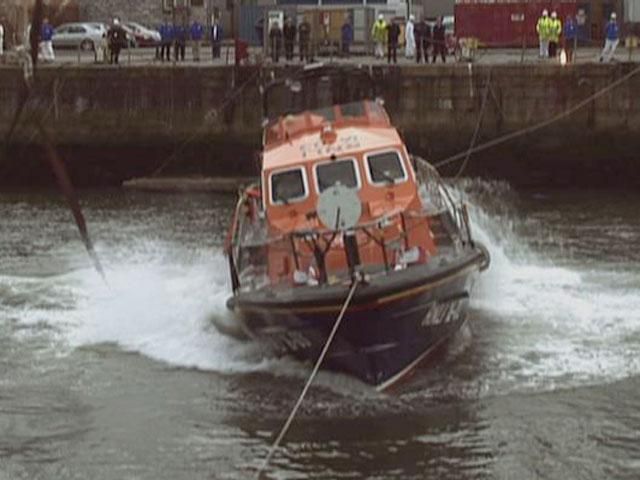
<point x="116" y="21"/>
<point x="545" y="12"/>
<point x="412" y="17"/>
<point x="381" y="17"/>
<point x="613" y="15"/>
<point x="554" y="15"/>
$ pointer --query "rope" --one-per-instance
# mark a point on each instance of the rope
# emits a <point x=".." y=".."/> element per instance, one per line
<point x="542" y="124"/>
<point x="314" y="372"/>
<point x="478" y="123"/>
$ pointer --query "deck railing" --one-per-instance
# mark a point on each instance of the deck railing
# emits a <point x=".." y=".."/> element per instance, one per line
<point x="250" y="244"/>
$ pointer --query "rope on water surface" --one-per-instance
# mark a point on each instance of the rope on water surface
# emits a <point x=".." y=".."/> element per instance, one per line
<point x="314" y="372"/>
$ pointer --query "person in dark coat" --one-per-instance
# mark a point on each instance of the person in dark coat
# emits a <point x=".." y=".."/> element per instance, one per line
<point x="439" y="46"/>
<point x="215" y="35"/>
<point x="346" y="36"/>
<point x="289" y="32"/>
<point x="304" y="35"/>
<point x="180" y="38"/>
<point x="420" y="32"/>
<point x="117" y="39"/>
<point x="393" y="34"/>
<point x="259" y="28"/>
<point x="275" y="41"/>
<point x="166" y="39"/>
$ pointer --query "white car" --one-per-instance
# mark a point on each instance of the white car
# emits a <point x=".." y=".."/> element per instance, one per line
<point x="144" y="36"/>
<point x="74" y="35"/>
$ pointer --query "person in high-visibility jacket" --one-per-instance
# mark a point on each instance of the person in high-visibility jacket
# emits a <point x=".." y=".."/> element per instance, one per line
<point x="542" y="27"/>
<point x="378" y="35"/>
<point x="555" y="29"/>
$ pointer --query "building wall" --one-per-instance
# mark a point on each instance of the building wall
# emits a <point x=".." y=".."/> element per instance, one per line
<point x="12" y="16"/>
<point x="632" y="11"/>
<point x="153" y="12"/>
<point x="435" y="8"/>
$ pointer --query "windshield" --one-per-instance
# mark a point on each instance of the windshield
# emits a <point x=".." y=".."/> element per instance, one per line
<point x="316" y="90"/>
<point x="287" y="186"/>
<point x="386" y="168"/>
<point x="340" y="172"/>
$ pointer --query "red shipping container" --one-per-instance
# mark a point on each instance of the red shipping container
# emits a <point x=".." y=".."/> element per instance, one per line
<point x="505" y="24"/>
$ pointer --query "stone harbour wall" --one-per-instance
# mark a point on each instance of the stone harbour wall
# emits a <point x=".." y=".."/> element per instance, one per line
<point x="111" y="124"/>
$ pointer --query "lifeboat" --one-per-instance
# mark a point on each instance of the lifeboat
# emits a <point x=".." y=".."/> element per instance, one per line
<point x="340" y="200"/>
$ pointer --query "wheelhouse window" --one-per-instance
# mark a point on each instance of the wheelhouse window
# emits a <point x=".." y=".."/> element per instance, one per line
<point x="288" y="186"/>
<point x="386" y="168"/>
<point x="353" y="110"/>
<point x="341" y="172"/>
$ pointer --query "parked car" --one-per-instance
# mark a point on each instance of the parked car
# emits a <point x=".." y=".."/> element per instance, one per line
<point x="74" y="35"/>
<point x="144" y="37"/>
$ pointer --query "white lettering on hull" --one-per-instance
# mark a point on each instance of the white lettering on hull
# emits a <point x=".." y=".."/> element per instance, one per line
<point x="441" y="313"/>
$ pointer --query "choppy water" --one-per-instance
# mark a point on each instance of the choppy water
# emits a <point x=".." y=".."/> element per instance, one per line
<point x="134" y="382"/>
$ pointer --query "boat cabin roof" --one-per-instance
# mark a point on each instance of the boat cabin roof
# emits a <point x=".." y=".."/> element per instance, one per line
<point x="327" y="133"/>
<point x="309" y="152"/>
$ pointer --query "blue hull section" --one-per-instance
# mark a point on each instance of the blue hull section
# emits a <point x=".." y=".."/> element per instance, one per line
<point x="389" y="328"/>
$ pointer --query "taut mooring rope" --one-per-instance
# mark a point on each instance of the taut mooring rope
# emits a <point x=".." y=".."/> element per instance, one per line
<point x="478" y="124"/>
<point x="542" y="124"/>
<point x="314" y="372"/>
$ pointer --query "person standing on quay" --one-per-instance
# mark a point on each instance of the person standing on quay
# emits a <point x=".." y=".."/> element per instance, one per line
<point x="393" y="34"/>
<point x="46" y="41"/>
<point x="555" y="29"/>
<point x="378" y="34"/>
<point x="275" y="41"/>
<point x="570" y="38"/>
<point x="612" y="37"/>
<point x="289" y="32"/>
<point x="419" y="32"/>
<point x="304" y="35"/>
<point x="410" y="38"/>
<point x="166" y="38"/>
<point x="1" y="36"/>
<point x="197" y="33"/>
<point x="216" y="38"/>
<point x="439" y="46"/>
<point x="346" y="37"/>
<point x="117" y="39"/>
<point x="542" y="28"/>
<point x="180" y="36"/>
<point x="423" y="40"/>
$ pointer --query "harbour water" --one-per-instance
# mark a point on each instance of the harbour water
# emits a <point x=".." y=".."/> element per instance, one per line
<point x="133" y="381"/>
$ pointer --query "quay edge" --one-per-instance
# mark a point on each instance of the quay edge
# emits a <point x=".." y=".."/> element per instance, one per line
<point x="113" y="124"/>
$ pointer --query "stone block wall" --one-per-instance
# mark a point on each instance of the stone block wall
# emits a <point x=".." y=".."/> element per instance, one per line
<point x="133" y="118"/>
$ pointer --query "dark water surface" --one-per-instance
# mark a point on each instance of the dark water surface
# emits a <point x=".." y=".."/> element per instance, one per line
<point x="134" y="382"/>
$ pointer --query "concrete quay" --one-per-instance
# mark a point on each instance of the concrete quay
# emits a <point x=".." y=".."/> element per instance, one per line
<point x="113" y="124"/>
